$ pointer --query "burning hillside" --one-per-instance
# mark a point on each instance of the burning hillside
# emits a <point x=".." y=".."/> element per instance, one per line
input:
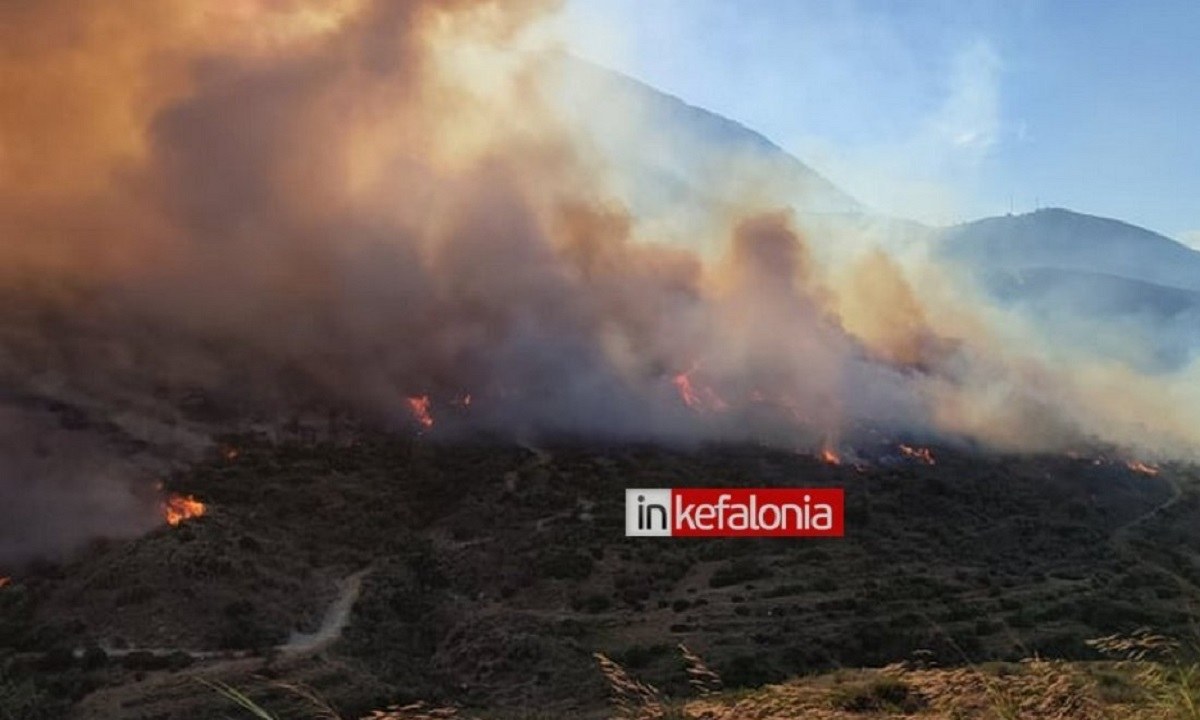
<point x="262" y="210"/>
<point x="177" y="508"/>
<point x="921" y="454"/>
<point x="420" y="411"/>
<point x="468" y="550"/>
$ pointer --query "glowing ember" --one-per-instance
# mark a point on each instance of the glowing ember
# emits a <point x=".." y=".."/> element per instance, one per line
<point x="4" y="581"/>
<point x="919" y="454"/>
<point x="177" y="508"/>
<point x="462" y="400"/>
<point x="230" y="453"/>
<point x="419" y="406"/>
<point x="700" y="398"/>
<point x="829" y="456"/>
<point x="1140" y="467"/>
<point x="687" y="393"/>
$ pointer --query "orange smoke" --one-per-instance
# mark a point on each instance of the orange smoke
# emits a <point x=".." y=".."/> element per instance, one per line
<point x="879" y="307"/>
<point x="379" y="195"/>
<point x="276" y="179"/>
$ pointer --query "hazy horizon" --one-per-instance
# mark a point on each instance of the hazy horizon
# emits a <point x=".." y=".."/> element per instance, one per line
<point x="939" y="112"/>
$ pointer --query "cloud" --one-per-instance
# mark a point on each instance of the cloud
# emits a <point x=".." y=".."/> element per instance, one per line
<point x="969" y="118"/>
<point x="928" y="173"/>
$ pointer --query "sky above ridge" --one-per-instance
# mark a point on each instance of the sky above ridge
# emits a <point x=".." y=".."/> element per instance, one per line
<point x="941" y="110"/>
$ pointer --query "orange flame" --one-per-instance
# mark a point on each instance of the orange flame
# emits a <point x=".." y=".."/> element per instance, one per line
<point x="918" y="453"/>
<point x="177" y="508"/>
<point x="829" y="455"/>
<point x="419" y="406"/>
<point x="1140" y="467"/>
<point x="702" y="399"/>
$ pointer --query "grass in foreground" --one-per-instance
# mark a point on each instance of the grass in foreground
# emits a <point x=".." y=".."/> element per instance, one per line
<point x="1150" y="678"/>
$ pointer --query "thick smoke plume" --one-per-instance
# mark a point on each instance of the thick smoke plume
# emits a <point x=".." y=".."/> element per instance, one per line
<point x="213" y="215"/>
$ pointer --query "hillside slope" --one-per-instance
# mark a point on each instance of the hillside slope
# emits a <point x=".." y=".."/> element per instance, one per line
<point x="1066" y="240"/>
<point x="667" y="157"/>
<point x="495" y="573"/>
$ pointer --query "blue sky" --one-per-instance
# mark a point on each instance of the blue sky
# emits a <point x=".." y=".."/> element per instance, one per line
<point x="939" y="109"/>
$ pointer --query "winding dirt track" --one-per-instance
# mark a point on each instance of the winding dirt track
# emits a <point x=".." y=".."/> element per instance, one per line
<point x="337" y="616"/>
<point x="169" y="694"/>
<point x="1121" y="542"/>
<point x="335" y="620"/>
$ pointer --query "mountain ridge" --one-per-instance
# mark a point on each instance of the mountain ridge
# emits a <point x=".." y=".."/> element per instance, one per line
<point x="1070" y="240"/>
<point x="1084" y="242"/>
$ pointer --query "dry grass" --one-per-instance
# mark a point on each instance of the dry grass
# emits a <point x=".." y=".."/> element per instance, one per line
<point x="415" y="711"/>
<point x="1036" y="688"/>
<point x="1166" y="684"/>
<point x="1163" y="667"/>
<point x="631" y="699"/>
<point x="703" y="679"/>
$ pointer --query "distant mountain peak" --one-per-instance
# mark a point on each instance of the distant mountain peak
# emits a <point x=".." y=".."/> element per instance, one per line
<point x="1069" y="240"/>
<point x="666" y="142"/>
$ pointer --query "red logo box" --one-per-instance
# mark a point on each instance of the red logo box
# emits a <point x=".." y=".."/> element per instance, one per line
<point x="734" y="512"/>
